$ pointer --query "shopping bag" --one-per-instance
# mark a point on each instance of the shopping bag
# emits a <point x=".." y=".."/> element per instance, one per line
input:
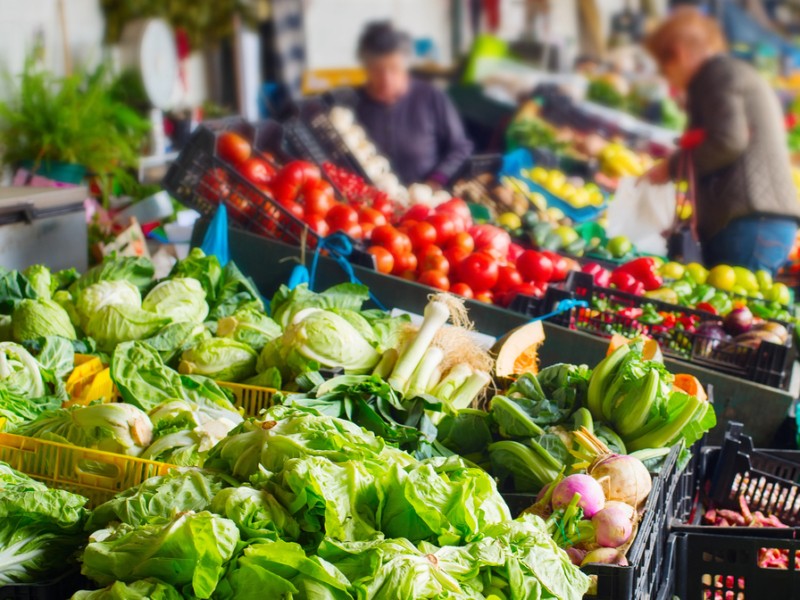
<point x="215" y="241"/>
<point x="642" y="212"/>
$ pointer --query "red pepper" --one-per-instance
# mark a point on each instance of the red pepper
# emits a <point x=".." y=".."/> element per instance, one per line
<point x="689" y="323"/>
<point x="638" y="289"/>
<point x="705" y="306"/>
<point x="669" y="319"/>
<point x="623" y="280"/>
<point x="631" y="313"/>
<point x="641" y="268"/>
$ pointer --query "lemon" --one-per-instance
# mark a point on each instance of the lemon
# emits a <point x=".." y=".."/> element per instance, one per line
<point x="746" y="279"/>
<point x="539" y="175"/>
<point x="555" y="214"/>
<point x="673" y="270"/>
<point x="722" y="277"/>
<point x="697" y="272"/>
<point x="509" y="220"/>
<point x="764" y="280"/>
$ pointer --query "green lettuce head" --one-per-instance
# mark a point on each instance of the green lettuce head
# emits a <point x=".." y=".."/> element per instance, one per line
<point x="33" y="319"/>
<point x="181" y="299"/>
<point x="41" y="280"/>
<point x="107" y="293"/>
<point x="249" y="326"/>
<point x="114" y="324"/>
<point x="19" y="372"/>
<point x="327" y="339"/>
<point x="222" y="359"/>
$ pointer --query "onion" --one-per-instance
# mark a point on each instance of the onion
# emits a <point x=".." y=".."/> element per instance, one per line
<point x="612" y="526"/>
<point x="739" y="320"/>
<point x="622" y="477"/>
<point x="576" y="555"/>
<point x="605" y="556"/>
<point x="592" y="497"/>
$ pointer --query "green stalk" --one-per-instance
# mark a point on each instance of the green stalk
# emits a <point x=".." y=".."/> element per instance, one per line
<point x="583" y="418"/>
<point x="434" y="379"/>
<point x="546" y="456"/>
<point x="671" y="429"/>
<point x="469" y="390"/>
<point x="601" y="378"/>
<point x="633" y="411"/>
<point x="418" y="384"/>
<point x="435" y="317"/>
<point x="454" y="379"/>
<point x="386" y="364"/>
<point x="651" y="453"/>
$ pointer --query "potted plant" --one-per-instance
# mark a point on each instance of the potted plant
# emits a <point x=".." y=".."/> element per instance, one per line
<point x="65" y="127"/>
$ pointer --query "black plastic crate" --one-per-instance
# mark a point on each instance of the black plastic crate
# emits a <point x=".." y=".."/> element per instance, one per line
<point x="714" y="566"/>
<point x="769" y="363"/>
<point x="201" y="180"/>
<point x="311" y="135"/>
<point x="58" y="588"/>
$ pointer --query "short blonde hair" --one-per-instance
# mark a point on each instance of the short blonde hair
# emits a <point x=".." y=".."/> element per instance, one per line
<point x="687" y="27"/>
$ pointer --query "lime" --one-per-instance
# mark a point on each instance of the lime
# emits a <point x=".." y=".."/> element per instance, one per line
<point x="722" y="277"/>
<point x="746" y="279"/>
<point x="697" y="272"/>
<point x="509" y="220"/>
<point x="529" y="219"/>
<point x="779" y="293"/>
<point x="739" y="290"/>
<point x="764" y="280"/>
<point x="619" y="246"/>
<point x="673" y="270"/>
<point x="567" y="234"/>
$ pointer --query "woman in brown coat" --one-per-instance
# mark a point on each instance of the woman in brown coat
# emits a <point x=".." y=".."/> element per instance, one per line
<point x="747" y="205"/>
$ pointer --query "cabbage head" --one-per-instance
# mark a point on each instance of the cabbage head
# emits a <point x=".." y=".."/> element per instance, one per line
<point x="33" y="319"/>
<point x="327" y="339"/>
<point x="107" y="293"/>
<point x="222" y="359"/>
<point x="181" y="299"/>
<point x="19" y="372"/>
<point x="114" y="324"/>
<point x="249" y="326"/>
<point x="41" y="280"/>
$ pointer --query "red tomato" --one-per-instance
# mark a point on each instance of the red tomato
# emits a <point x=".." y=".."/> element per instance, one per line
<point x="318" y="197"/>
<point x="340" y="216"/>
<point x="214" y="185"/>
<point x="382" y="234"/>
<point x="242" y="205"/>
<point x="489" y="238"/>
<point x="484" y="296"/>
<point x="352" y="229"/>
<point x="514" y="252"/>
<point x="560" y="265"/>
<point x="371" y="215"/>
<point x="393" y="240"/>
<point x="422" y="234"/>
<point x="435" y="279"/>
<point x="458" y="208"/>
<point x="367" y="229"/>
<point x="406" y="226"/>
<point x="404" y="263"/>
<point x="317" y="223"/>
<point x="288" y="182"/>
<point x="507" y="279"/>
<point x="233" y="148"/>
<point x="435" y="263"/>
<point x="294" y="209"/>
<point x="455" y="256"/>
<point x="429" y="250"/>
<point x="462" y="289"/>
<point x="524" y="289"/>
<point x="479" y="271"/>
<point x="535" y="266"/>
<point x="418" y="212"/>
<point x="445" y="227"/>
<point x="462" y="240"/>
<point x="384" y="261"/>
<point x="384" y="205"/>
<point x="257" y="171"/>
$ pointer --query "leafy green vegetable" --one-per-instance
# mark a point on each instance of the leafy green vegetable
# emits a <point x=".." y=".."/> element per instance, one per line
<point x="174" y="339"/>
<point x="565" y="386"/>
<point x="287" y="303"/>
<point x="180" y="299"/>
<point x="33" y="319"/>
<point x="40" y="528"/>
<point x="40" y="279"/>
<point x="249" y="326"/>
<point x="115" y="427"/>
<point x="144" y="589"/>
<point x="223" y="359"/>
<point x="136" y="270"/>
<point x="206" y="269"/>
<point x="235" y="292"/>
<point x="113" y="325"/>
<point x="56" y="354"/>
<point x="320" y="338"/>
<point x="188" y="552"/>
<point x="466" y="433"/>
<point x="256" y="513"/>
<point x="513" y="421"/>
<point x="14" y="287"/>
<point x="285" y="570"/>
<point x="162" y="497"/>
<point x="142" y="378"/>
<point x="106" y="293"/>
<point x="20" y="373"/>
<point x="528" y="468"/>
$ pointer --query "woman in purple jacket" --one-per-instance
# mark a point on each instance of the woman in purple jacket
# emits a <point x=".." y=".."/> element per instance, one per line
<point x="411" y="122"/>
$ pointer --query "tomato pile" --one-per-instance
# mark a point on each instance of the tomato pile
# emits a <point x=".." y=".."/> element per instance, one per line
<point x="442" y="248"/>
<point x="357" y="191"/>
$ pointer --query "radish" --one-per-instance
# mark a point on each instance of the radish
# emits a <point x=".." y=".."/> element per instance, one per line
<point x="576" y="555"/>
<point x="605" y="556"/>
<point x="612" y="526"/>
<point x="592" y="498"/>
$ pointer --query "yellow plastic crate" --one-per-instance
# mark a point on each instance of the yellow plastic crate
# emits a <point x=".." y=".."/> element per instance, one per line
<point x="97" y="475"/>
<point x="250" y="398"/>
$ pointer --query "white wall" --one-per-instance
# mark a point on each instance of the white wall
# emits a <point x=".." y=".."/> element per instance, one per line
<point x="22" y="20"/>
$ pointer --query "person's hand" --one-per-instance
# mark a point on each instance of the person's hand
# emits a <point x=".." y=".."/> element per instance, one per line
<point x="658" y="173"/>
